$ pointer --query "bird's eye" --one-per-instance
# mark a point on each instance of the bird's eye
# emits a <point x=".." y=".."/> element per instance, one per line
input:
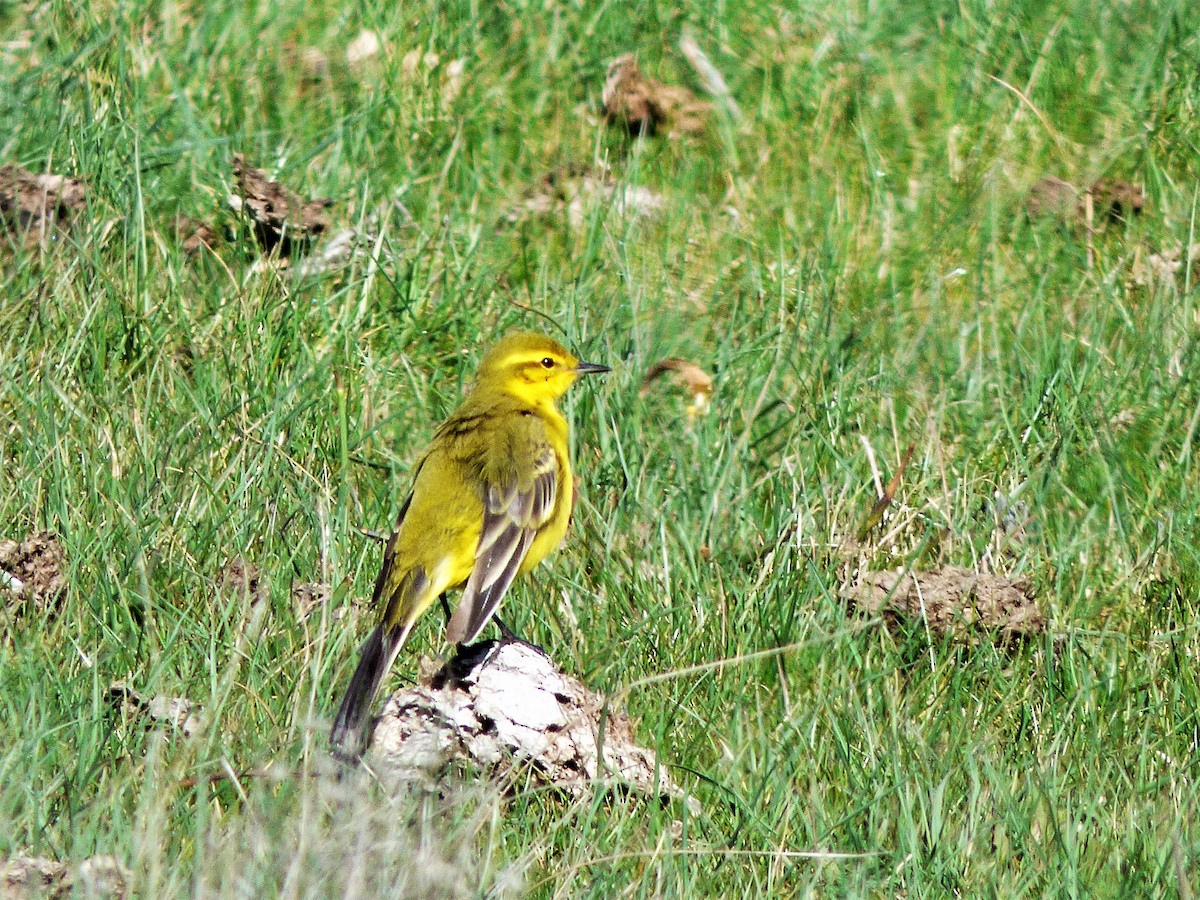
<point x="548" y="363"/>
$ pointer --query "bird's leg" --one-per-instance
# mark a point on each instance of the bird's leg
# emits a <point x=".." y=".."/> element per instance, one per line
<point x="445" y="606"/>
<point x="507" y="635"/>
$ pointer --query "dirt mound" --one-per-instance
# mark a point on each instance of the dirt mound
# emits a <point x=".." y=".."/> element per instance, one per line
<point x="33" y="570"/>
<point x="507" y="709"/>
<point x="645" y="107"/>
<point x="953" y="601"/>
<point x="37" y="206"/>
<point x="1110" y="198"/>
<point x="281" y="218"/>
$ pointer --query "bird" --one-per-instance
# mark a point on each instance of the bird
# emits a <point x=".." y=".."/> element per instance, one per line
<point x="490" y="499"/>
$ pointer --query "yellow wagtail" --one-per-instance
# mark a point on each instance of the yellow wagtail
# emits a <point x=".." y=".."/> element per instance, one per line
<point x="490" y="499"/>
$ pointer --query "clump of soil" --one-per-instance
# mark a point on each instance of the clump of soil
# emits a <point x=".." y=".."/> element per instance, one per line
<point x="954" y="602"/>
<point x="1166" y="265"/>
<point x="1051" y="196"/>
<point x="243" y="577"/>
<point x="35" y="876"/>
<point x="33" y="571"/>
<point x="1111" y="199"/>
<point x="177" y="712"/>
<point x="309" y="597"/>
<point x="281" y="218"/>
<point x="645" y="107"/>
<point x="195" y="235"/>
<point x="695" y="381"/>
<point x="505" y="708"/>
<point x="35" y="207"/>
<point x="1118" y="200"/>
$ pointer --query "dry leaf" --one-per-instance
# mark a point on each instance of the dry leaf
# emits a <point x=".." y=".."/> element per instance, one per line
<point x="280" y="217"/>
<point x="710" y="76"/>
<point x="953" y="602"/>
<point x="875" y="514"/>
<point x="644" y="107"/>
<point x="697" y="382"/>
<point x="36" y="207"/>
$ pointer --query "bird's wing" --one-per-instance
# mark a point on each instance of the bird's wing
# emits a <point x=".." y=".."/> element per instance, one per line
<point x="389" y="554"/>
<point x="397" y="587"/>
<point x="520" y="486"/>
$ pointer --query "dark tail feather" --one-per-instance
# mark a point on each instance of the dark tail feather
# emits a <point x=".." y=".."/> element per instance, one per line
<point x="349" y="735"/>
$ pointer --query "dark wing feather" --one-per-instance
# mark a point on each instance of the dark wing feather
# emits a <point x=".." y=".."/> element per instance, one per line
<point x="389" y="554"/>
<point x="512" y="516"/>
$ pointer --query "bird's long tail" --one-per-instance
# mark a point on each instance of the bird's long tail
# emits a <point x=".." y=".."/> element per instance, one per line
<point x="349" y="736"/>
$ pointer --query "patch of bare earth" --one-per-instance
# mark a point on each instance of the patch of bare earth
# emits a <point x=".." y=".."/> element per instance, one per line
<point x="33" y="572"/>
<point x="36" y="207"/>
<point x="1108" y="198"/>
<point x="506" y="709"/>
<point x="35" y="876"/>
<point x="282" y="219"/>
<point x="953" y="602"/>
<point x="645" y="107"/>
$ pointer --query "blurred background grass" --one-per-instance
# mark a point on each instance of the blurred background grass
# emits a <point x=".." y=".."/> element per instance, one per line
<point x="850" y="259"/>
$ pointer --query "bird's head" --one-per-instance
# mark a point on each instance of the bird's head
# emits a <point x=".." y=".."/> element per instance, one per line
<point x="532" y="367"/>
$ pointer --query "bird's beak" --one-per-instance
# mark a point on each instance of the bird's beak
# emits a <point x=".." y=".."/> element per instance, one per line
<point x="586" y="368"/>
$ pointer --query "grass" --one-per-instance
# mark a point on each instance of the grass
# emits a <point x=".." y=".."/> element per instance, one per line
<point x="851" y="261"/>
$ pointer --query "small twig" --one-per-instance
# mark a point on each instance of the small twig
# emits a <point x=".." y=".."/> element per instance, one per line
<point x="885" y="498"/>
